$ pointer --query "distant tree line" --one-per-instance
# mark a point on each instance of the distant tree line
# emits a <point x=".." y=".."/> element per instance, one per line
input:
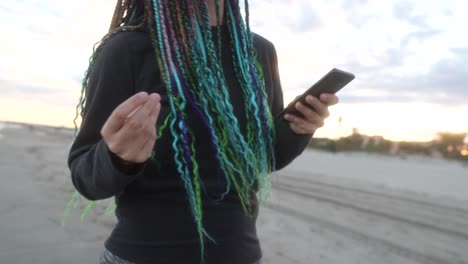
<point x="447" y="145"/>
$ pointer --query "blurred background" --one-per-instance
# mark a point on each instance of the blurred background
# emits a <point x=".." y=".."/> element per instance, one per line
<point x="384" y="181"/>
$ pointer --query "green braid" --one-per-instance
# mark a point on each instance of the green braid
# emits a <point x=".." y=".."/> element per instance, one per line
<point x="195" y="82"/>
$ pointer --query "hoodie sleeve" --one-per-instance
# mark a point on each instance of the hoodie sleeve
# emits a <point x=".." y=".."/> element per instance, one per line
<point x="96" y="172"/>
<point x="289" y="145"/>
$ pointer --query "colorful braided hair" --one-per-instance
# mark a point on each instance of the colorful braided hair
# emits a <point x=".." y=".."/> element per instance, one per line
<point x="195" y="82"/>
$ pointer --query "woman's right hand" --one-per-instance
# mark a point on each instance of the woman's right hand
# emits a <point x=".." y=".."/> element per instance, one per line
<point x="130" y="131"/>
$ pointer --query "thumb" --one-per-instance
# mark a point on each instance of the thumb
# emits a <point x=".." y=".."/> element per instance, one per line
<point x="124" y="111"/>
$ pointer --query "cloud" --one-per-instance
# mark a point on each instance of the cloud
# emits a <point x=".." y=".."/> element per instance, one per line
<point x="446" y="79"/>
<point x="382" y="39"/>
<point x="404" y="11"/>
<point x="4" y="8"/>
<point x="301" y="17"/>
<point x="49" y="45"/>
<point x="360" y="20"/>
<point x="357" y="12"/>
<point x="448" y="12"/>
<point x="450" y="75"/>
<point x="444" y="83"/>
<point x="307" y="20"/>
<point x="15" y="88"/>
<point x="420" y="35"/>
<point x="350" y="4"/>
<point x="389" y="59"/>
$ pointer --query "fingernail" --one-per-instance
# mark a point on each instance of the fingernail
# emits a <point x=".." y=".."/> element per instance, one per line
<point x="154" y="97"/>
<point x="141" y="95"/>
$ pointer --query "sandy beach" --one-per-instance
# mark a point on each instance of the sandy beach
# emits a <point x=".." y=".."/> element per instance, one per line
<point x="325" y="208"/>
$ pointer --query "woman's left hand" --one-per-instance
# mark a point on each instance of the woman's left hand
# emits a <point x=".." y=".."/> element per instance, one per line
<point x="314" y="113"/>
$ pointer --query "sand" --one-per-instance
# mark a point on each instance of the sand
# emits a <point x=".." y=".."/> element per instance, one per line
<point x="325" y="208"/>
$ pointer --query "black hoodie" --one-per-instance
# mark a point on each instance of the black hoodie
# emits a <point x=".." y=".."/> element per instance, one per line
<point x="155" y="224"/>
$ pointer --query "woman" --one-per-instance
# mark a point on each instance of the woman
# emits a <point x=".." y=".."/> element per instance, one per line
<point x="179" y="123"/>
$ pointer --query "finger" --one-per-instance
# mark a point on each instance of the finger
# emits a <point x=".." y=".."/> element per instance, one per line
<point x="138" y="120"/>
<point x="309" y="114"/>
<point x="298" y="129"/>
<point x="134" y="111"/>
<point x="308" y="128"/>
<point x="308" y="124"/>
<point x="141" y="150"/>
<point x="154" y="115"/>
<point x="137" y="132"/>
<point x="136" y="138"/>
<point x="317" y="105"/>
<point x="120" y="114"/>
<point x="294" y="119"/>
<point x="126" y="144"/>
<point x="146" y="150"/>
<point x="329" y="99"/>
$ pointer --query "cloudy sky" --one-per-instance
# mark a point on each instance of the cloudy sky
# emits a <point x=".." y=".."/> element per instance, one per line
<point x="408" y="57"/>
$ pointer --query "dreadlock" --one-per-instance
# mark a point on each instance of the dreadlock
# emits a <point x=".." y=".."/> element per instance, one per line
<point x="191" y="69"/>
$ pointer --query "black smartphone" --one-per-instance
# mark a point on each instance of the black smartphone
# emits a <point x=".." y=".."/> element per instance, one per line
<point x="331" y="83"/>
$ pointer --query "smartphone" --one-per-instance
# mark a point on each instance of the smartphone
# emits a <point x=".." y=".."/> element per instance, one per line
<point x="331" y="83"/>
